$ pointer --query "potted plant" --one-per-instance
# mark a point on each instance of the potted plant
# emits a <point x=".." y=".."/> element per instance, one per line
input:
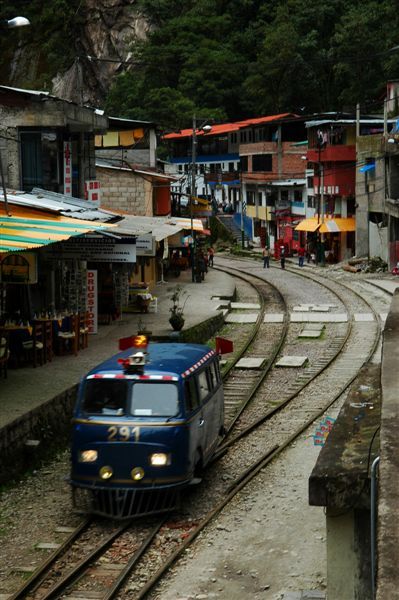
<point x="177" y="310"/>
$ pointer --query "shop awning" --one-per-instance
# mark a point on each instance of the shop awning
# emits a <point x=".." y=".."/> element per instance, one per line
<point x="28" y="229"/>
<point x="310" y="225"/>
<point x="329" y="225"/>
<point x="338" y="225"/>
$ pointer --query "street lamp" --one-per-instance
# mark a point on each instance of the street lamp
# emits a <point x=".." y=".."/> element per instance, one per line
<point x="9" y="24"/>
<point x="15" y="22"/>
<point x="206" y="129"/>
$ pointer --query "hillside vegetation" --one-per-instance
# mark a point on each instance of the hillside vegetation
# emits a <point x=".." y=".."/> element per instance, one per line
<point x="225" y="59"/>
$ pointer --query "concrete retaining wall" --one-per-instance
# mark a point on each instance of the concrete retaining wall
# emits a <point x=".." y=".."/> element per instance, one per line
<point x="48" y="424"/>
<point x="388" y="504"/>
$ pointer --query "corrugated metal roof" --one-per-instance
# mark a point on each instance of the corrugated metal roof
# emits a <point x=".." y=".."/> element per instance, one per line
<point x="159" y="227"/>
<point x="370" y="121"/>
<point x="59" y="203"/>
<point x="29" y="229"/>
<point x="118" y="165"/>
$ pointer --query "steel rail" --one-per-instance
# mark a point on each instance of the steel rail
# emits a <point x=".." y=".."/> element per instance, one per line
<point x="122" y="577"/>
<point x="237" y="485"/>
<point x="30" y="583"/>
<point x="264" y="372"/>
<point x="224" y="446"/>
<point x="75" y="572"/>
<point x="261" y="463"/>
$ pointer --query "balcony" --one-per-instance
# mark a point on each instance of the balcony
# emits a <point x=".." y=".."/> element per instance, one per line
<point x="332" y="154"/>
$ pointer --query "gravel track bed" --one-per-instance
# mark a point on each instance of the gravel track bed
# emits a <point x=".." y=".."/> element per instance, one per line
<point x="271" y="515"/>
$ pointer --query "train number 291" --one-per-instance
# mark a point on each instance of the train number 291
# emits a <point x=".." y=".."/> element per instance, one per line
<point x="123" y="434"/>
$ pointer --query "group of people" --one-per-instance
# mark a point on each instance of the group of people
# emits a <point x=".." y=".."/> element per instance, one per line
<point x="202" y="262"/>
<point x="266" y="256"/>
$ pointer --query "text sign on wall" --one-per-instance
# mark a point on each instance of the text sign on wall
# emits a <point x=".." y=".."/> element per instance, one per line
<point x="68" y="168"/>
<point x="92" y="305"/>
<point x="145" y="245"/>
<point x="95" y="249"/>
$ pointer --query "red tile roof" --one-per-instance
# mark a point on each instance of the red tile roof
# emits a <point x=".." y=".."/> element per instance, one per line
<point x="228" y="127"/>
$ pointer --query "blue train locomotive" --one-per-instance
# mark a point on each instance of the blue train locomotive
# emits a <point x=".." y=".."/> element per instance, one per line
<point x="146" y="422"/>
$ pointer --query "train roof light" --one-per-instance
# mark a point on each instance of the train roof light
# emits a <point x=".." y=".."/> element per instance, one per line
<point x="134" y="363"/>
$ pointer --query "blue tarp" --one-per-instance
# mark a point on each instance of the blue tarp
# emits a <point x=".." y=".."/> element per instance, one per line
<point x="368" y="167"/>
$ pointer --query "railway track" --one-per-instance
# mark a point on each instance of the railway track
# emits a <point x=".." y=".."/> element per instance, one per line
<point x="257" y="419"/>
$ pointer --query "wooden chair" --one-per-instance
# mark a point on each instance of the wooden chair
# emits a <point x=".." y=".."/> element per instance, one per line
<point x="83" y="330"/>
<point x="4" y="352"/>
<point x="68" y="341"/>
<point x="33" y="349"/>
<point x="48" y="340"/>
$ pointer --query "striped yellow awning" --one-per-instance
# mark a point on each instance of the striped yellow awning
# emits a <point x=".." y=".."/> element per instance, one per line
<point x="327" y="225"/>
<point x="338" y="225"/>
<point x="29" y="229"/>
<point x="310" y="225"/>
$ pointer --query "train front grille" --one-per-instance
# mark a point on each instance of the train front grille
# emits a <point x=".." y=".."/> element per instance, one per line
<point x="125" y="504"/>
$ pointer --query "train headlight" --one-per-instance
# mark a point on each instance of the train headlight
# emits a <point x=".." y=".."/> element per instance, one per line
<point x="106" y="472"/>
<point x="137" y="473"/>
<point x="159" y="459"/>
<point x="88" y="456"/>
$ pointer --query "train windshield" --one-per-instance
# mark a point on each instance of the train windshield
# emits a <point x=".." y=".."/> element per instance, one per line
<point x="105" y="397"/>
<point x="154" y="400"/>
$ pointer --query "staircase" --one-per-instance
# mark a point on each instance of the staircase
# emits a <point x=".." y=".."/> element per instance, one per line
<point x="228" y="223"/>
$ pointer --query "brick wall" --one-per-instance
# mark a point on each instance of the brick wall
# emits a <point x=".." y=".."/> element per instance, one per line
<point x="124" y="190"/>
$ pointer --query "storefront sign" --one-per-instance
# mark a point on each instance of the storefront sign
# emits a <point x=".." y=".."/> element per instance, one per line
<point x="68" y="168"/>
<point x="94" y="249"/>
<point x="145" y="245"/>
<point x="283" y="207"/>
<point x="19" y="267"/>
<point x="93" y="191"/>
<point x="92" y="304"/>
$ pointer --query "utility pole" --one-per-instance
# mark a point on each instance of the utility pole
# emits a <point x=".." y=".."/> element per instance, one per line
<point x="193" y="194"/>
<point x="323" y="254"/>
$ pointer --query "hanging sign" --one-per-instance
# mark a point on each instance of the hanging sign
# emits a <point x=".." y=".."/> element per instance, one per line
<point x="94" y="249"/>
<point x="92" y="304"/>
<point x="68" y="168"/>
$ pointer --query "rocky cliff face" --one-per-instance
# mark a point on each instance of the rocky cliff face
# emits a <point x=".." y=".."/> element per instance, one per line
<point x="110" y="30"/>
<point x="106" y="31"/>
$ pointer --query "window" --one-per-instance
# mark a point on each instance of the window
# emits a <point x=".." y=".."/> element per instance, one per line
<point x="40" y="160"/>
<point x="191" y="394"/>
<point x="297" y="195"/>
<point x="262" y="162"/>
<point x="311" y="202"/>
<point x="105" y="397"/>
<point x="244" y="163"/>
<point x="243" y="137"/>
<point x="203" y="385"/>
<point x="250" y="198"/>
<point x="154" y="400"/>
<point x="217" y="371"/>
<point x="231" y="167"/>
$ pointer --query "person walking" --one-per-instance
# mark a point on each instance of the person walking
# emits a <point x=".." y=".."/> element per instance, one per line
<point x="211" y="254"/>
<point x="282" y="257"/>
<point x="301" y="256"/>
<point x="266" y="257"/>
